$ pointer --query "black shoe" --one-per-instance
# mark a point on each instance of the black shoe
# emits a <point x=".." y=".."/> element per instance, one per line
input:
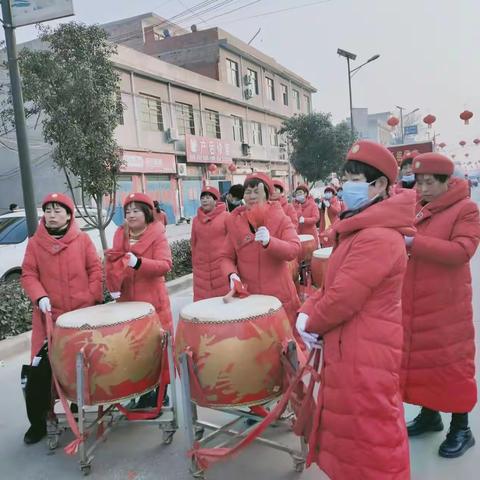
<point x="458" y="441"/>
<point x="35" y="433"/>
<point x="426" y="421"/>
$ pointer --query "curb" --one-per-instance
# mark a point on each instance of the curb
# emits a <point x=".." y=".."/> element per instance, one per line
<point x="12" y="346"/>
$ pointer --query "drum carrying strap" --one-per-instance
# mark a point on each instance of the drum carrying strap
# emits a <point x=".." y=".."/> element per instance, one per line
<point x="301" y="401"/>
<point x="71" y="448"/>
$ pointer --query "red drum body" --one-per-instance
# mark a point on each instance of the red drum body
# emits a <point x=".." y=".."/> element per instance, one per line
<point x="236" y="349"/>
<point x="123" y="345"/>
<point x="319" y="265"/>
<point x="308" y="247"/>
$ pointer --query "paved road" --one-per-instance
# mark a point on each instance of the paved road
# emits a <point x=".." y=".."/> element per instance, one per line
<point x="135" y="452"/>
<point x="178" y="232"/>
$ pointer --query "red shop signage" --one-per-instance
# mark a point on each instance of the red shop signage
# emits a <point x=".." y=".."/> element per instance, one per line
<point x="148" y="162"/>
<point x="207" y="150"/>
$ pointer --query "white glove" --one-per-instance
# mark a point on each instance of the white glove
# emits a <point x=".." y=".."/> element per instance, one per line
<point x="408" y="240"/>
<point x="310" y="339"/>
<point x="44" y="305"/>
<point x="115" y="295"/>
<point x="132" y="259"/>
<point x="326" y="203"/>
<point x="262" y="235"/>
<point x="234" y="277"/>
<point x="301" y="220"/>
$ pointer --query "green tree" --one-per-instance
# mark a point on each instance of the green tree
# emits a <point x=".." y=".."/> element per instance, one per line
<point x="319" y="147"/>
<point x="74" y="85"/>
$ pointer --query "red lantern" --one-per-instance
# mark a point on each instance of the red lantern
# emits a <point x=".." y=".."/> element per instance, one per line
<point x="476" y="141"/>
<point x="453" y="155"/>
<point x="393" y="122"/>
<point x="232" y="167"/>
<point x="462" y="143"/>
<point x="212" y="168"/>
<point x="466" y="116"/>
<point x="429" y="119"/>
<point x="442" y="145"/>
<point x="466" y="155"/>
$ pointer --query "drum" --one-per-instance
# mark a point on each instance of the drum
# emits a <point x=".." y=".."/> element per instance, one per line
<point x="308" y="247"/>
<point x="236" y="349"/>
<point x="319" y="265"/>
<point x="123" y="346"/>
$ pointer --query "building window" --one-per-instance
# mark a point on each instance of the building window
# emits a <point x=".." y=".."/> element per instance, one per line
<point x="253" y="80"/>
<point x="232" y="73"/>
<point x="273" y="134"/>
<point x="151" y="113"/>
<point x="284" y="94"/>
<point x="212" y="124"/>
<point x="296" y="98"/>
<point x="257" y="133"/>
<point x="308" y="107"/>
<point x="270" y="88"/>
<point x="237" y="129"/>
<point x="185" y="120"/>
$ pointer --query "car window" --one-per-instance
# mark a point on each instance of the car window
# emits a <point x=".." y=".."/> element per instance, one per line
<point x="12" y="230"/>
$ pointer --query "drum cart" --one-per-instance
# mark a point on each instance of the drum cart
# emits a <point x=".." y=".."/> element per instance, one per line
<point x="97" y="422"/>
<point x="222" y="436"/>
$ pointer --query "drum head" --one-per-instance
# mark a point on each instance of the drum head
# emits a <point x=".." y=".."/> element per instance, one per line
<point x="216" y="310"/>
<point x="323" y="252"/>
<point x="306" y="238"/>
<point x="104" y="315"/>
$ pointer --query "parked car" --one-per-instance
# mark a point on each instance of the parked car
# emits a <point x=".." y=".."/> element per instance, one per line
<point x="13" y="241"/>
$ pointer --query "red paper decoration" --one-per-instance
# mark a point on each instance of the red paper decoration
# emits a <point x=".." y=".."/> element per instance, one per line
<point x="212" y="168"/>
<point x="442" y="145"/>
<point x="429" y="119"/>
<point x="462" y="143"/>
<point x="466" y="115"/>
<point x="476" y="141"/>
<point x="393" y="121"/>
<point x="232" y="167"/>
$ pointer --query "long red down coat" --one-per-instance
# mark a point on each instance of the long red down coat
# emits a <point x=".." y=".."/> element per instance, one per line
<point x="209" y="231"/>
<point x="147" y="283"/>
<point x="361" y="432"/>
<point x="289" y="211"/>
<point x="309" y="211"/>
<point x="439" y="350"/>
<point x="67" y="270"/>
<point x="264" y="270"/>
<point x="333" y="211"/>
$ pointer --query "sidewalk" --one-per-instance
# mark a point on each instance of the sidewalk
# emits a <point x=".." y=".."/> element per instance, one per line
<point x="179" y="232"/>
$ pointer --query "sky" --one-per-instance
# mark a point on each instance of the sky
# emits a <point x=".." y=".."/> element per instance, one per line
<point x="429" y="50"/>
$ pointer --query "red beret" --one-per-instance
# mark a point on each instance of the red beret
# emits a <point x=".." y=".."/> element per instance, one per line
<point x="375" y="155"/>
<point x="263" y="178"/>
<point x="59" y="198"/>
<point x="212" y="191"/>
<point x="278" y="183"/>
<point x="433" y="163"/>
<point x="138" y="197"/>
<point x="410" y="155"/>
<point x="304" y="188"/>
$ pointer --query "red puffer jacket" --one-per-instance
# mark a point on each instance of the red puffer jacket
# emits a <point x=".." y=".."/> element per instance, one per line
<point x="309" y="211"/>
<point x="359" y="426"/>
<point x="333" y="211"/>
<point x="439" y="350"/>
<point x="68" y="271"/>
<point x="147" y="283"/>
<point x="264" y="270"/>
<point x="290" y="211"/>
<point x="209" y="231"/>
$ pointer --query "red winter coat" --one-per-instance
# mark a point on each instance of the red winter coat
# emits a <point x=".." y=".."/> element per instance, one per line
<point x="208" y="236"/>
<point x="361" y="432"/>
<point x="264" y="270"/>
<point x="309" y="211"/>
<point x="161" y="217"/>
<point x="147" y="283"/>
<point x="439" y="351"/>
<point x="333" y="211"/>
<point x="68" y="271"/>
<point x="289" y="210"/>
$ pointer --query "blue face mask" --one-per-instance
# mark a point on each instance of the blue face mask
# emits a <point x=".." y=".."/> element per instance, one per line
<point x="408" y="178"/>
<point x="355" y="194"/>
<point x="328" y="195"/>
<point x="340" y="194"/>
<point x="300" y="198"/>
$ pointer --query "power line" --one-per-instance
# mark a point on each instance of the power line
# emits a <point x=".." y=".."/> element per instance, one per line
<point x="234" y="10"/>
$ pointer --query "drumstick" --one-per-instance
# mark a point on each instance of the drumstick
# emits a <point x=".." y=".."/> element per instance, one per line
<point x="230" y="296"/>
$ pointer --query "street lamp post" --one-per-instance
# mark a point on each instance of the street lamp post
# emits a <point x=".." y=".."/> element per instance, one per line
<point x="351" y="56"/>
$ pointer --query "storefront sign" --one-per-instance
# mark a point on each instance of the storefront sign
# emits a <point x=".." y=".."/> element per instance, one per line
<point x="400" y="150"/>
<point x="147" y="162"/>
<point x="26" y="12"/>
<point x="207" y="150"/>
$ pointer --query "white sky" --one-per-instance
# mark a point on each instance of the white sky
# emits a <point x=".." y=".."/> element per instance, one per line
<point x="430" y="51"/>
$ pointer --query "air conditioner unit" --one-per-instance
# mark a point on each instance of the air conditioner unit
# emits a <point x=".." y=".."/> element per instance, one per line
<point x="247" y="79"/>
<point x="172" y="135"/>
<point x="182" y="169"/>
<point x="245" y="149"/>
<point x="248" y="92"/>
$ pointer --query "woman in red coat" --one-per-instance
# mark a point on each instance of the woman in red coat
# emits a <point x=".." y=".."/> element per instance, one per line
<point x="330" y="208"/>
<point x="144" y="241"/>
<point x="209" y="231"/>
<point x="61" y="272"/>
<point x="288" y="208"/>
<point x="439" y="357"/>
<point x="307" y="212"/>
<point x="358" y="428"/>
<point x="258" y="255"/>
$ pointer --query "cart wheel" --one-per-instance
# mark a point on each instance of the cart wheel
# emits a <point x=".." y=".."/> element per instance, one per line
<point x="52" y="442"/>
<point x="168" y="436"/>
<point x="86" y="469"/>
<point x="299" y="466"/>
<point x="199" y="431"/>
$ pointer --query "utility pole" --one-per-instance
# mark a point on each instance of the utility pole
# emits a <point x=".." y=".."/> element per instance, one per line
<point x="20" y="123"/>
<point x="350" y="94"/>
